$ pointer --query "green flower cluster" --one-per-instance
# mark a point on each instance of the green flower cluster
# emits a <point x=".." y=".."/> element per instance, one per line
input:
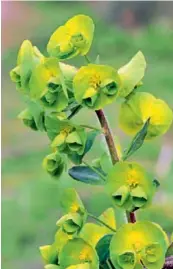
<point x="55" y="92"/>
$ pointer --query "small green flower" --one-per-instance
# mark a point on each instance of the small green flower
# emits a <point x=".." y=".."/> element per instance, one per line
<point x="33" y="116"/>
<point x="65" y="136"/>
<point x="96" y="85"/>
<point x="28" y="119"/>
<point x="54" y="164"/>
<point x="75" y="218"/>
<point x="78" y="254"/>
<point x="141" y="106"/>
<point x="71" y="39"/>
<point x="131" y="74"/>
<point x="71" y="223"/>
<point x="92" y="232"/>
<point x="28" y="57"/>
<point x="143" y="241"/>
<point x="47" y="85"/>
<point x="130" y="186"/>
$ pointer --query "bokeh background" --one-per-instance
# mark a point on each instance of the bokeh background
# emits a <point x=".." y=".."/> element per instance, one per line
<point x="30" y="198"/>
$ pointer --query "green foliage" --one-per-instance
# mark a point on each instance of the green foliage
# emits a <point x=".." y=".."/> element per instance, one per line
<point x="55" y="93"/>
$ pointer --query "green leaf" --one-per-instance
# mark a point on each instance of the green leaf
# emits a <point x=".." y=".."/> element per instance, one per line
<point x="86" y="175"/>
<point x="102" y="248"/>
<point x="169" y="251"/>
<point x="132" y="73"/>
<point x="137" y="141"/>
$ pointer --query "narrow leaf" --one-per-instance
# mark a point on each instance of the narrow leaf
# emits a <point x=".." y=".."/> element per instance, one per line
<point x="169" y="251"/>
<point x="102" y="248"/>
<point x="86" y="175"/>
<point x="137" y="141"/>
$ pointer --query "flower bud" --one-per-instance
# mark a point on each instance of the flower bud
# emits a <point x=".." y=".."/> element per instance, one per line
<point x="140" y="107"/>
<point x="54" y="164"/>
<point x="28" y="119"/>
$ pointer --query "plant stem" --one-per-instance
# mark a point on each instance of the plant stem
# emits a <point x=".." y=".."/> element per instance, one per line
<point x="95" y="170"/>
<point x="108" y="136"/>
<point x="112" y="150"/>
<point x="102" y="222"/>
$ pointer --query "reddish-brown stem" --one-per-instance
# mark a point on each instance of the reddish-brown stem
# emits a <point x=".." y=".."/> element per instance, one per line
<point x="112" y="150"/>
<point x="108" y="136"/>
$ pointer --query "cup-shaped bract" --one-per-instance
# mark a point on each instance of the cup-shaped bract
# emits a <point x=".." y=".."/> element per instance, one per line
<point x="78" y="254"/>
<point x="28" y="119"/>
<point x="47" y="85"/>
<point x="130" y="186"/>
<point x="131" y="74"/>
<point x="140" y="107"/>
<point x="28" y="57"/>
<point x="139" y="243"/>
<point x="92" y="232"/>
<point x="65" y="136"/>
<point x="96" y="85"/>
<point x="54" y="164"/>
<point x="71" y="223"/>
<point x="75" y="218"/>
<point x="73" y="38"/>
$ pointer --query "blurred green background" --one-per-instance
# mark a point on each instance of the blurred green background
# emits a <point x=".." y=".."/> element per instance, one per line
<point x="30" y="198"/>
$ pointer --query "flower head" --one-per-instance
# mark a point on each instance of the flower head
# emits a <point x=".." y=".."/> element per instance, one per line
<point x="78" y="252"/>
<point x="130" y="186"/>
<point x="71" y="39"/>
<point x="73" y="221"/>
<point x="65" y="136"/>
<point x="141" y="106"/>
<point x="46" y="85"/>
<point x="96" y="85"/>
<point x="144" y="242"/>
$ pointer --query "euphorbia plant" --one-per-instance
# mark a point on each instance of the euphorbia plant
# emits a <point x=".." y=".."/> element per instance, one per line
<point x="55" y="93"/>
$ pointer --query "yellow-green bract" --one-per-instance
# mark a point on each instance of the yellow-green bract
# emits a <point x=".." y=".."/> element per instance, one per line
<point x="65" y="136"/>
<point x="140" y="107"/>
<point x="96" y="85"/>
<point x="131" y="74"/>
<point x="92" y="232"/>
<point x="71" y="39"/>
<point x="78" y="254"/>
<point x="143" y="241"/>
<point x="130" y="186"/>
<point x="73" y="221"/>
<point x="28" y="57"/>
